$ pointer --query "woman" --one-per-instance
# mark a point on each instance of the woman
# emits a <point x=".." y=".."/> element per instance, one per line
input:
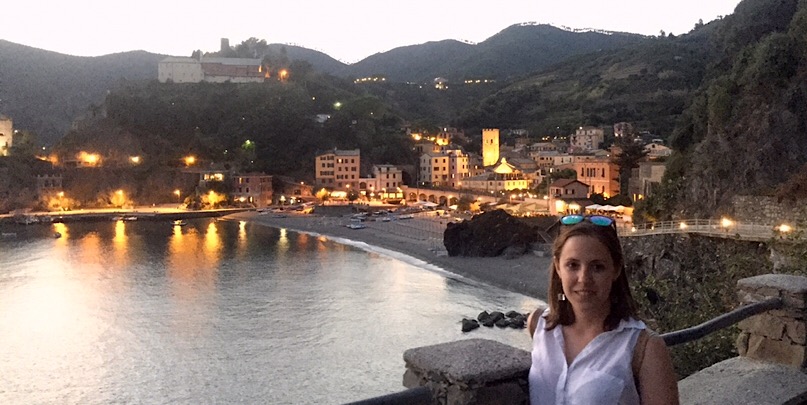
<point x="583" y="344"/>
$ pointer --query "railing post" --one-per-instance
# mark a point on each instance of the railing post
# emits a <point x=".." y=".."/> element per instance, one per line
<point x="470" y="371"/>
<point x="777" y="336"/>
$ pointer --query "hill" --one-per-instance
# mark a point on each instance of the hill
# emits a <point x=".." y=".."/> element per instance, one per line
<point x="45" y="91"/>
<point x="516" y="50"/>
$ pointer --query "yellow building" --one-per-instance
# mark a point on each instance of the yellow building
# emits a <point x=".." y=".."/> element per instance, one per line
<point x="490" y="147"/>
<point x="505" y="177"/>
<point x="338" y="169"/>
<point x="449" y="168"/>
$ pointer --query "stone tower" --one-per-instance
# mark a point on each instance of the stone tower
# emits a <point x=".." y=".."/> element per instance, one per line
<point x="6" y="135"/>
<point x="490" y="147"/>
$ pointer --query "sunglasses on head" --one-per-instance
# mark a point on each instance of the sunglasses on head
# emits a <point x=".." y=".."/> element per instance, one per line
<point x="594" y="219"/>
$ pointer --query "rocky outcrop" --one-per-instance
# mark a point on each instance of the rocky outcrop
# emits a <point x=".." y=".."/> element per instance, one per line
<point x="489" y="234"/>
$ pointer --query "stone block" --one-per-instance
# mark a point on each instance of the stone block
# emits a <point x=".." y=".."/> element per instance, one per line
<point x="796" y="331"/>
<point x="764" y="325"/>
<point x="469" y="362"/>
<point x="776" y="351"/>
<point x="742" y="343"/>
<point x="797" y="300"/>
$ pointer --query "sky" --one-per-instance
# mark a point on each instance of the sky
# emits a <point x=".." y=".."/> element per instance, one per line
<point x="347" y="30"/>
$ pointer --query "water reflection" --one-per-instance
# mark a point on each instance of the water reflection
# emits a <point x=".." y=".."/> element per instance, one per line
<point x="187" y="316"/>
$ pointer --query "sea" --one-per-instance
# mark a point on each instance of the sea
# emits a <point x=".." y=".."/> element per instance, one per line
<point x="217" y="311"/>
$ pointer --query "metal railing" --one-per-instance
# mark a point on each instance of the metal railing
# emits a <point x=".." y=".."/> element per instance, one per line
<point x="711" y="227"/>
<point x="722" y="321"/>
<point x="413" y="396"/>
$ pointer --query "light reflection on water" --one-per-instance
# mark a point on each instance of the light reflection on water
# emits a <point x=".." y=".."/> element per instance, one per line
<point x="217" y="312"/>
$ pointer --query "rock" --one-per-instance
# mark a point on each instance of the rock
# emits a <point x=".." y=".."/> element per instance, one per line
<point x="496" y="316"/>
<point x="469" y="325"/>
<point x="483" y="316"/>
<point x="503" y="323"/>
<point x="512" y="314"/>
<point x="489" y="234"/>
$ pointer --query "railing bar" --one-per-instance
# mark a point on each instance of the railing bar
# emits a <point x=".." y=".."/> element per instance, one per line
<point x="722" y="321"/>
<point x="416" y="396"/>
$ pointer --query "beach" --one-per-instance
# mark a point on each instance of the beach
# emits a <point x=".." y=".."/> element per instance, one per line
<point x="421" y="238"/>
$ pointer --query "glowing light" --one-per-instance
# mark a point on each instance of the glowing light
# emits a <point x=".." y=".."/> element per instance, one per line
<point x="725" y="222"/>
<point x="784" y="228"/>
<point x="682" y="225"/>
<point x="134" y="159"/>
<point x="190" y="160"/>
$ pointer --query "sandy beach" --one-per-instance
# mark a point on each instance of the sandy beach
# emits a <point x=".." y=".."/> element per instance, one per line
<point x="421" y="238"/>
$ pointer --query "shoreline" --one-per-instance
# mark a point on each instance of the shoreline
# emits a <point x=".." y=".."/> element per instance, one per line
<point x="420" y="238"/>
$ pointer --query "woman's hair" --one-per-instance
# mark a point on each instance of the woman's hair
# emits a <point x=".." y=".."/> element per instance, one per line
<point x="622" y="304"/>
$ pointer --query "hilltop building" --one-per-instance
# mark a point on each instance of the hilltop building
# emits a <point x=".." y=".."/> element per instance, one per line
<point x="214" y="70"/>
<point x="6" y="135"/>
<point x="338" y="169"/>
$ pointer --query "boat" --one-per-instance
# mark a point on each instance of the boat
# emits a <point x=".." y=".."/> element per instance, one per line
<point x="179" y="222"/>
<point x="26" y="219"/>
<point x="9" y="234"/>
<point x="131" y="218"/>
<point x="356" y="226"/>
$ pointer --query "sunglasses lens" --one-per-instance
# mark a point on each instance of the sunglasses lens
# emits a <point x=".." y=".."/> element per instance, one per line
<point x="571" y="219"/>
<point x="600" y="220"/>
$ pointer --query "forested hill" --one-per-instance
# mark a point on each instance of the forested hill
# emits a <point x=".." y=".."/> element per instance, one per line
<point x="272" y="128"/>
<point x="746" y="130"/>
<point x="44" y="91"/>
<point x="515" y="51"/>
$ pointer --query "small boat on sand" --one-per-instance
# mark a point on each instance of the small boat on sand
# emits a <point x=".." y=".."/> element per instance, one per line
<point x="179" y="222"/>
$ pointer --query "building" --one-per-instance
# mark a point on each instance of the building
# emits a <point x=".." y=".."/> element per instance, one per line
<point x="657" y="150"/>
<point x="601" y="175"/>
<point x="567" y="196"/>
<point x="215" y="70"/>
<point x="252" y="188"/>
<point x="645" y="179"/>
<point x="338" y="169"/>
<point x="490" y="147"/>
<point x="6" y="135"/>
<point x="587" y="138"/>
<point x="447" y="169"/>
<point x="504" y="177"/>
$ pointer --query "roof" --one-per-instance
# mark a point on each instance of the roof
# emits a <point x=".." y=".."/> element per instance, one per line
<point x="566" y="183"/>
<point x="178" y="59"/>
<point x="233" y="61"/>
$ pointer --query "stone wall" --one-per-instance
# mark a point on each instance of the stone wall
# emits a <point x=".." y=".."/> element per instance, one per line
<point x="768" y="211"/>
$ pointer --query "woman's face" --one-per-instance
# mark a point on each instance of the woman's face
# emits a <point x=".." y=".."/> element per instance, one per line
<point x="587" y="272"/>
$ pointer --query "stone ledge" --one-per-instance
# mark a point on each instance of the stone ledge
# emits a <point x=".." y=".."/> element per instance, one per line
<point x="469" y="362"/>
<point x="744" y="381"/>
<point x="783" y="282"/>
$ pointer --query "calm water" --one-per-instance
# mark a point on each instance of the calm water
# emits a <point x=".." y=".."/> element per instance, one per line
<point x="218" y="312"/>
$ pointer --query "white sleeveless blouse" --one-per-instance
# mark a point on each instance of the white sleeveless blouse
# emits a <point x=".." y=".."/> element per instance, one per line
<point x="600" y="374"/>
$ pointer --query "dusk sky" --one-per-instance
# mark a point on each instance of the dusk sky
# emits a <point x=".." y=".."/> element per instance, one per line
<point x="346" y="30"/>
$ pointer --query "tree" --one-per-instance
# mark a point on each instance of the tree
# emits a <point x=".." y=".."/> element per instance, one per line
<point x="628" y="158"/>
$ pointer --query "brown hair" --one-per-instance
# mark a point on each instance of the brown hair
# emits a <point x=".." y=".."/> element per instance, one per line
<point x="622" y="304"/>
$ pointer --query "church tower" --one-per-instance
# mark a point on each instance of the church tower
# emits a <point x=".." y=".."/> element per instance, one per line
<point x="490" y="147"/>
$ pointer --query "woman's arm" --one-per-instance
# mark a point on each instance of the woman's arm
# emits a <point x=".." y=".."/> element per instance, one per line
<point x="657" y="379"/>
